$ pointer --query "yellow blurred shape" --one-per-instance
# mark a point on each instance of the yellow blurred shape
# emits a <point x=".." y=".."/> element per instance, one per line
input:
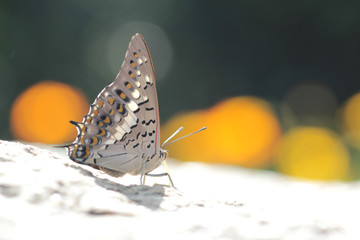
<point x="240" y="130"/>
<point x="313" y="153"/>
<point x="192" y="148"/>
<point x="243" y="131"/>
<point x="42" y="113"/>
<point x="351" y="120"/>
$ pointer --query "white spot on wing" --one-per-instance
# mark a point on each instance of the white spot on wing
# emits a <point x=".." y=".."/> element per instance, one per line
<point x="119" y="132"/>
<point x="136" y="94"/>
<point x="137" y="83"/>
<point x="130" y="120"/>
<point x="133" y="106"/>
<point x="125" y="126"/>
<point x="147" y="78"/>
<point x="109" y="141"/>
<point x="117" y="117"/>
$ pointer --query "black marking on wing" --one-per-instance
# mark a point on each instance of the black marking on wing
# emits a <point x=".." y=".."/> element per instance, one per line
<point x="144" y="135"/>
<point x="137" y="136"/>
<point x="149" y="109"/>
<point x="150" y="121"/>
<point x="136" y="145"/>
<point x="123" y="137"/>
<point x="117" y="154"/>
<point x="114" y="155"/>
<point x="147" y="100"/>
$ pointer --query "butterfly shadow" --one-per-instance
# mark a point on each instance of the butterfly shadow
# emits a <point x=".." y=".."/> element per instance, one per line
<point x="148" y="196"/>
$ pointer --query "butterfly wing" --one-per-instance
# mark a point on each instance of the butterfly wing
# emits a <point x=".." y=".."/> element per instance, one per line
<point x="121" y="130"/>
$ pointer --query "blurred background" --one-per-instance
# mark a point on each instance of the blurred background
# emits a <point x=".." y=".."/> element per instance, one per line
<point x="276" y="82"/>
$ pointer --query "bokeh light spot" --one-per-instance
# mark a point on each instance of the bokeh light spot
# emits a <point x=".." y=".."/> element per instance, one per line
<point x="42" y="113"/>
<point x="313" y="153"/>
<point x="243" y="131"/>
<point x="351" y="120"/>
<point x="312" y="102"/>
<point x="158" y="42"/>
<point x="194" y="147"/>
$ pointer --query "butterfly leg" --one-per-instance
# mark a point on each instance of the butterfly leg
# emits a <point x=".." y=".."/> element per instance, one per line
<point x="161" y="175"/>
<point x="143" y="175"/>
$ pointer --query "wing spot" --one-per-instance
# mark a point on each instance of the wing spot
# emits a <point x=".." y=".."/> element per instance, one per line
<point x="131" y="74"/>
<point x="101" y="132"/>
<point x="132" y="63"/>
<point x="111" y="101"/>
<point x="87" y="119"/>
<point x="150" y="121"/>
<point x="81" y="152"/>
<point x="101" y="103"/>
<point x="105" y="119"/>
<point x="122" y="95"/>
<point x="136" y="145"/>
<point x="128" y="85"/>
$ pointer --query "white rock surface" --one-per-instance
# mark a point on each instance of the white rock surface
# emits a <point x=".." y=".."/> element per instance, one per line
<point x="44" y="195"/>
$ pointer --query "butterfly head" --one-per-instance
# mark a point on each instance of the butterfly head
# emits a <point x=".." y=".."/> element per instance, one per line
<point x="163" y="154"/>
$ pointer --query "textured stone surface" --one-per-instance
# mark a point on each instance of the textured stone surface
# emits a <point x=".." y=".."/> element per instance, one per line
<point x="44" y="195"/>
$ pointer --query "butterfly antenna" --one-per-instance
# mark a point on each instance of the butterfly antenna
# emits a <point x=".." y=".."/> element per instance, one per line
<point x="181" y="137"/>
<point x="176" y="132"/>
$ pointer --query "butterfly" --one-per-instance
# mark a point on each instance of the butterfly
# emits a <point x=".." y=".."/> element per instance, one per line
<point x="121" y="133"/>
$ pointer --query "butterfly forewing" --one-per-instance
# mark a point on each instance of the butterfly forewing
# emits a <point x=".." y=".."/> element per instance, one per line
<point x="121" y="130"/>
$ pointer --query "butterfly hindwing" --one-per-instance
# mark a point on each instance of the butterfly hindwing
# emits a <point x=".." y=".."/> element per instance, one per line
<point x="122" y="125"/>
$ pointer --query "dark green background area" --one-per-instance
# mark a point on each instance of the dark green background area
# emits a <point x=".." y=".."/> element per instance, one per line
<point x="220" y="48"/>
